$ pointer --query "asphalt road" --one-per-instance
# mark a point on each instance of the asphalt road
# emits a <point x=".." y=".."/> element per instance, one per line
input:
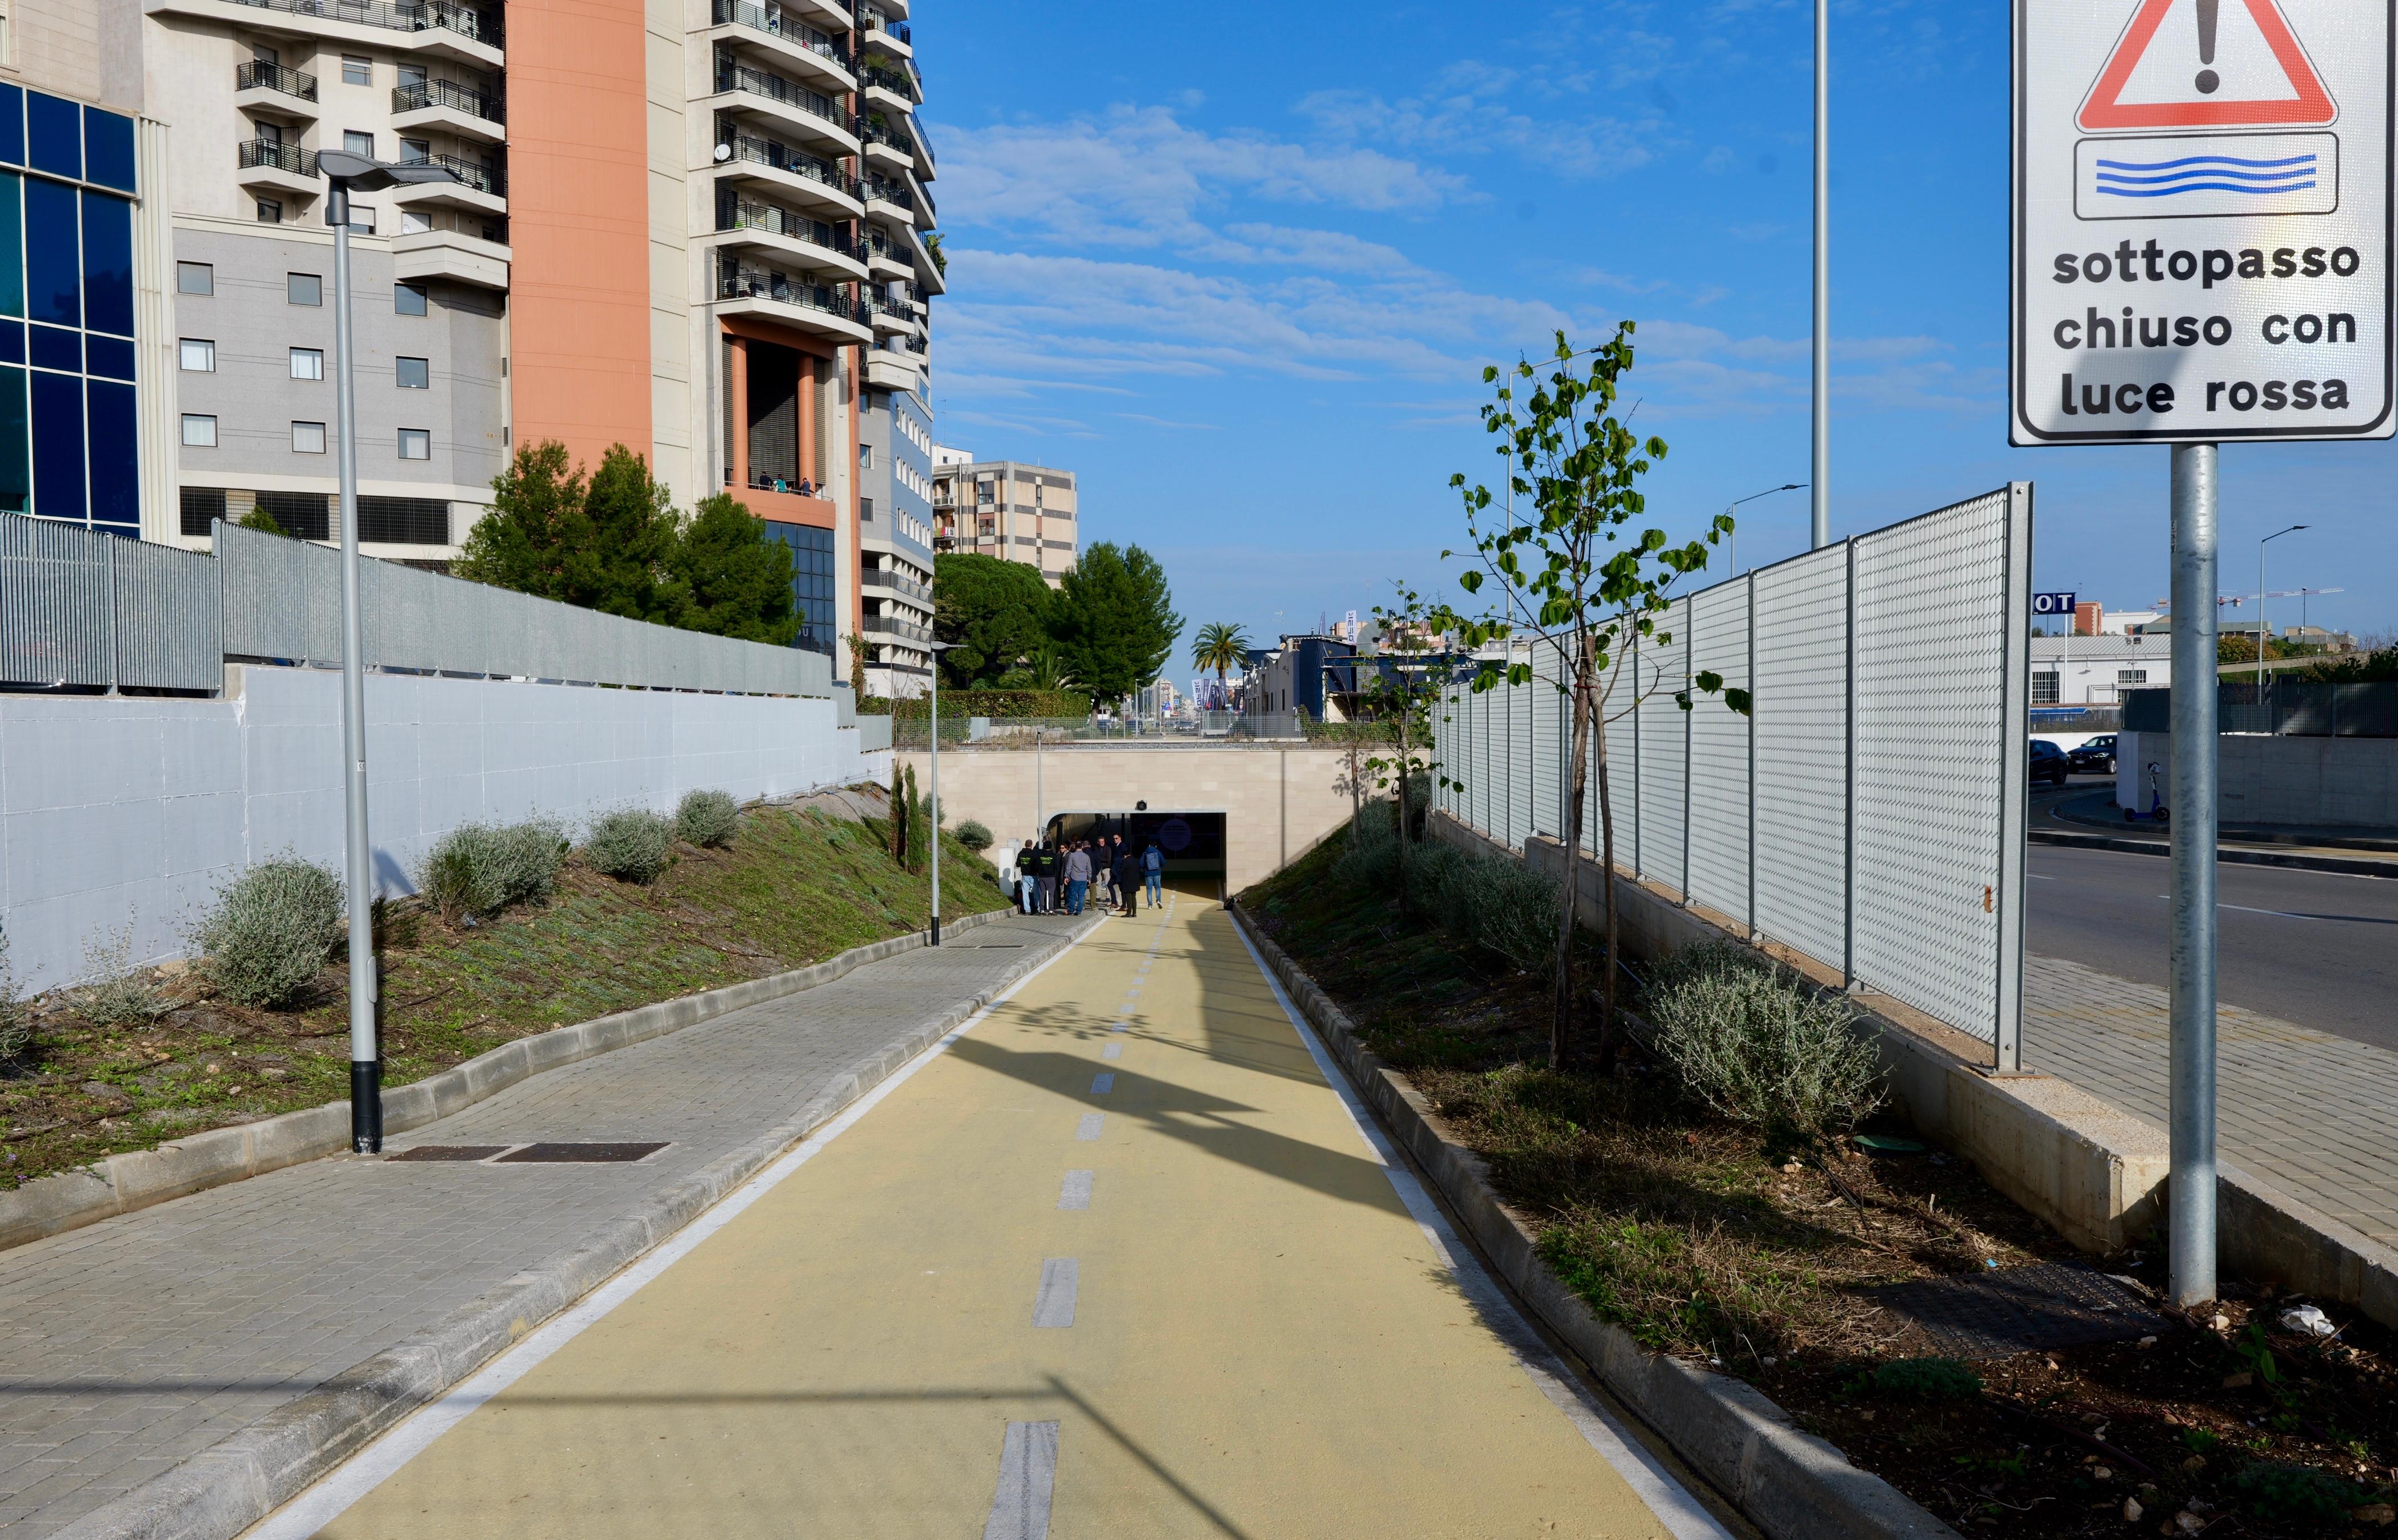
<point x="2316" y="948"/>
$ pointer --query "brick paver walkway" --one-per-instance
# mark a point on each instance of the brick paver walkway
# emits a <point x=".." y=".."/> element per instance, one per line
<point x="130" y="1346"/>
<point x="2307" y="1112"/>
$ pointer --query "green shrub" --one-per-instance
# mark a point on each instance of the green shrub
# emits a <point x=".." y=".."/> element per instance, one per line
<point x="1369" y="863"/>
<point x="1506" y="907"/>
<point x="707" y="818"/>
<point x="975" y="836"/>
<point x="2271" y="1489"/>
<point x="1751" y="1041"/>
<point x="16" y="1027"/>
<point x="630" y="844"/>
<point x="476" y="869"/>
<point x="995" y="702"/>
<point x="270" y="931"/>
<point x="1924" y="1380"/>
<point x="115" y="992"/>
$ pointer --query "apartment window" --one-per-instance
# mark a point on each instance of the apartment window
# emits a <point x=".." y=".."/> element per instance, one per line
<point x="415" y="443"/>
<point x="1036" y="494"/>
<point x="202" y="507"/>
<point x="2131" y="676"/>
<point x="866" y="457"/>
<point x="307" y="438"/>
<point x="264" y="55"/>
<point x="269" y="211"/>
<point x="866" y="509"/>
<point x="415" y="374"/>
<point x="411" y="75"/>
<point x="195" y="279"/>
<point x="307" y="363"/>
<point x="198" y="356"/>
<point x="2044" y="688"/>
<point x="362" y="218"/>
<point x="303" y="516"/>
<point x="356" y="143"/>
<point x="303" y="289"/>
<point x="356" y="72"/>
<point x="404" y="520"/>
<point x="413" y="224"/>
<point x="199" y="432"/>
<point x="416" y="151"/>
<point x="408" y="299"/>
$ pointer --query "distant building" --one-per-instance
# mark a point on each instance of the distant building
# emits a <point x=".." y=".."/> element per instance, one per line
<point x="1293" y="677"/>
<point x="1005" y="509"/>
<point x="2080" y="671"/>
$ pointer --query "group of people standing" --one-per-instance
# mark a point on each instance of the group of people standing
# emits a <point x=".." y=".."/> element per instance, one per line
<point x="1055" y="877"/>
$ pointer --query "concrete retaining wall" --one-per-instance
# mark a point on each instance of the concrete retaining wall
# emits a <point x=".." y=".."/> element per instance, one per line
<point x="2329" y="783"/>
<point x="128" y="811"/>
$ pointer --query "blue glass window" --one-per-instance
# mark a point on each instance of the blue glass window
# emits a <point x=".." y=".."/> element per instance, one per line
<point x="58" y="446"/>
<point x="53" y="134"/>
<point x="12" y="125"/>
<point x="12" y="272"/>
<point x="53" y="263"/>
<point x="55" y="349"/>
<point x="15" y="462"/>
<point x="107" y="263"/>
<point x="12" y="341"/>
<point x="112" y="356"/>
<point x="116" y="489"/>
<point x="108" y="149"/>
<point x="812" y="580"/>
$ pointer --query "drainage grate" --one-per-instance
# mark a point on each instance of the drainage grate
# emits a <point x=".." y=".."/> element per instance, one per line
<point x="449" y="1152"/>
<point x="578" y="1155"/>
<point x="1997" y="1314"/>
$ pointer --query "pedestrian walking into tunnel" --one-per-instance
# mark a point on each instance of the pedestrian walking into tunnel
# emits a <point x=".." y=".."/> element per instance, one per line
<point x="1045" y="865"/>
<point x="1153" y="866"/>
<point x="1103" y="871"/>
<point x="1024" y="879"/>
<point x="1078" y="876"/>
<point x="1127" y="867"/>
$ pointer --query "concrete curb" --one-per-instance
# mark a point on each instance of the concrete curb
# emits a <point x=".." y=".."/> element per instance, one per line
<point x="1793" y="1485"/>
<point x="2346" y="866"/>
<point x="121" y="1183"/>
<point x="240" y="1481"/>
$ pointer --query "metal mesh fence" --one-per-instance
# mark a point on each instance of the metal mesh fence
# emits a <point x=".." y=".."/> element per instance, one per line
<point x="1869" y="809"/>
<point x="83" y="609"/>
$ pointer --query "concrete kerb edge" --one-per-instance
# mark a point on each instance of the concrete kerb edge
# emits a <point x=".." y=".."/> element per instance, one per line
<point x="1792" y="1484"/>
<point x="124" y="1184"/>
<point x="2343" y="865"/>
<point x="244" y="1478"/>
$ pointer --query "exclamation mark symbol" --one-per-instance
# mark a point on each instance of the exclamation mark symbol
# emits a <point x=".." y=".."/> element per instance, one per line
<point x="2207" y="79"/>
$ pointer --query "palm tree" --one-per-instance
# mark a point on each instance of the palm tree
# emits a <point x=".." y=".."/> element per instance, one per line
<point x="1221" y="646"/>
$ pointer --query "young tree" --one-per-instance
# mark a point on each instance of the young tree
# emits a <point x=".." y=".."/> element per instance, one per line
<point x="898" y="812"/>
<point x="1578" y="583"/>
<point x="1402" y="700"/>
<point x="731" y="578"/>
<point x="861" y="653"/>
<point x="1115" y="622"/>
<point x="992" y="613"/>
<point x="919" y="835"/>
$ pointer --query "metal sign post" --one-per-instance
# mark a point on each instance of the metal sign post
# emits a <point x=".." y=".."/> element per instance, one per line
<point x="2201" y="254"/>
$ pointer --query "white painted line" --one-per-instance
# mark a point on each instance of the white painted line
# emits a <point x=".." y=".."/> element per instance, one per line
<point x="1092" y="1125"/>
<point x="1028" y="1471"/>
<point x="1681" y="1513"/>
<point x="1076" y="1191"/>
<point x="1054" y="1306"/>
<point x="380" y="1461"/>
<point x="1113" y="1050"/>
<point x="1101" y="1084"/>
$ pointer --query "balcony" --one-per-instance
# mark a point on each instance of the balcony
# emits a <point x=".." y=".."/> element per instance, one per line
<point x="883" y="625"/>
<point x="882" y="27"/>
<point x="885" y="578"/>
<point x="773" y="228"/>
<point x="816" y="182"/>
<point x="809" y="116"/>
<point x="482" y="186"/>
<point x="262" y="87"/>
<point x="452" y="254"/>
<point x="460" y="31"/>
<point x="803" y="302"/>
<point x="461" y="110"/>
<point x="266" y="164"/>
<point x="893" y="80"/>
<point x="782" y="32"/>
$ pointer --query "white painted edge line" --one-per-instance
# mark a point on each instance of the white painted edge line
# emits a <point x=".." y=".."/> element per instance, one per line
<point x="1649" y="1478"/>
<point x="339" y="1490"/>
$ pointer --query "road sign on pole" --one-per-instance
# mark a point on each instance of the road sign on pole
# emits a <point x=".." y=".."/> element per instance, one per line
<point x="2203" y="236"/>
<point x="2053" y="604"/>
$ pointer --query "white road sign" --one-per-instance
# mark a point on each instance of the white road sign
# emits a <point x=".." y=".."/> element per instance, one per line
<point x="2203" y="220"/>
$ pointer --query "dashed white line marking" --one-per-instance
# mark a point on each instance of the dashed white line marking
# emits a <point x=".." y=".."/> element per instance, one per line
<point x="1103" y="1084"/>
<point x="1053" y="1307"/>
<point x="1092" y="1125"/>
<point x="1113" y="1050"/>
<point x="1076" y="1191"/>
<point x="1027" y="1472"/>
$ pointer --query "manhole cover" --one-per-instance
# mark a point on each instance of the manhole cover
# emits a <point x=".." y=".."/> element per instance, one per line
<point x="1997" y="1314"/>
<point x="577" y="1155"/>
<point x="450" y="1152"/>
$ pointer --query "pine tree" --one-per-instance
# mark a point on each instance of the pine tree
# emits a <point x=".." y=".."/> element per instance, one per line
<point x="917" y="834"/>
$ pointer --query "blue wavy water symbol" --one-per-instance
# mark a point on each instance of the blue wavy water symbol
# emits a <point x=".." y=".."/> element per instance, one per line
<point x="2164" y="179"/>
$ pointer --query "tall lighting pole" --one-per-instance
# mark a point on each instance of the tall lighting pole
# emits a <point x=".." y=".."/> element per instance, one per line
<point x="1732" y="552"/>
<point x="348" y="173"/>
<point x="939" y="648"/>
<point x="1822" y="480"/>
<point x="2261" y="631"/>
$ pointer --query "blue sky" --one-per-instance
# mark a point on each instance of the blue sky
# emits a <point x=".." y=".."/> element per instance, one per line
<point x="1241" y="267"/>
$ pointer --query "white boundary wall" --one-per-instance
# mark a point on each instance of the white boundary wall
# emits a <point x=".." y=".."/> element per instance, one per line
<point x="117" y="810"/>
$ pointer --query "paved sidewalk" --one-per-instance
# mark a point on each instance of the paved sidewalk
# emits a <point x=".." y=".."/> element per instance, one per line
<point x="2303" y="1110"/>
<point x="130" y="1346"/>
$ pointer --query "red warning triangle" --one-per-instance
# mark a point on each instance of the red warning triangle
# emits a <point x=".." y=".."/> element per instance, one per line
<point x="2178" y="87"/>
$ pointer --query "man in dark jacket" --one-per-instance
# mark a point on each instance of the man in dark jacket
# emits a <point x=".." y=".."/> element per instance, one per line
<point x="1045" y="869"/>
<point x="1128" y="869"/>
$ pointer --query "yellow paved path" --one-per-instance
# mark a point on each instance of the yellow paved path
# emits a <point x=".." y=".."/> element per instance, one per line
<point x="1263" y="1341"/>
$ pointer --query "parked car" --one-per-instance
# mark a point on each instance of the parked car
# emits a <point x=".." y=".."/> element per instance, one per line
<point x="2094" y="758"/>
<point x="2048" y="763"/>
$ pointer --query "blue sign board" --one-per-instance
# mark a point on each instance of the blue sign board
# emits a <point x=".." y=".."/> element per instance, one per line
<point x="2052" y="604"/>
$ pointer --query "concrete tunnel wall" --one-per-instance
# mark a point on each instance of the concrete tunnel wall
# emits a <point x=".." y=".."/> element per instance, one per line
<point x="1277" y="802"/>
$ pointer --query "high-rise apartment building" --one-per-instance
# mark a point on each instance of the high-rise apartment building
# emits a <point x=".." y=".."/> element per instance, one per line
<point x="1001" y="508"/>
<point x="697" y="227"/>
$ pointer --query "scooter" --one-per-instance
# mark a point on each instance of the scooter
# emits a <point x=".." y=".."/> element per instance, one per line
<point x="2158" y="813"/>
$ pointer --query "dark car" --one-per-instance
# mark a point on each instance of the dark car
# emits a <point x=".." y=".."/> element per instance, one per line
<point x="2094" y="758"/>
<point x="2048" y="763"/>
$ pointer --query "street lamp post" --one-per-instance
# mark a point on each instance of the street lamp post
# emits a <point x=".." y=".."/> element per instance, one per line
<point x="2261" y="632"/>
<point x="1820" y="529"/>
<point x="939" y="648"/>
<point x="348" y="173"/>
<point x="1732" y="552"/>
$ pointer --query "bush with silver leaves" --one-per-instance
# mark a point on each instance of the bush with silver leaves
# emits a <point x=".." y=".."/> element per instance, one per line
<point x="707" y="818"/>
<point x="479" y="869"/>
<point x="630" y="844"/>
<point x="1754" y="1043"/>
<point x="269" y="930"/>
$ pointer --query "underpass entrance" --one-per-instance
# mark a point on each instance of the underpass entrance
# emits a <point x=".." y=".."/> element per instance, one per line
<point x="1193" y="842"/>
